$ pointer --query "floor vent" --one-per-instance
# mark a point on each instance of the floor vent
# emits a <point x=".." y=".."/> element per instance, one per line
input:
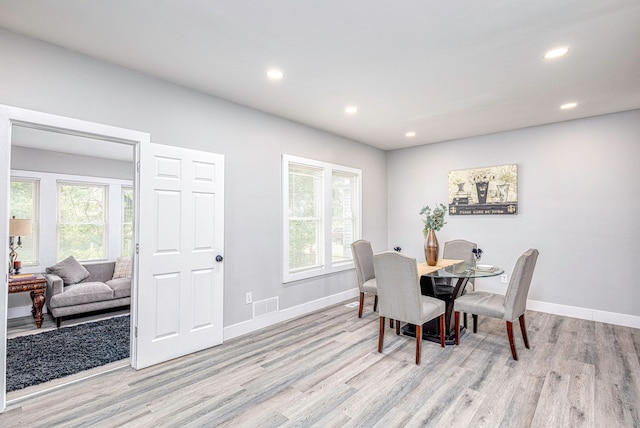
<point x="352" y="305"/>
<point x="266" y="306"/>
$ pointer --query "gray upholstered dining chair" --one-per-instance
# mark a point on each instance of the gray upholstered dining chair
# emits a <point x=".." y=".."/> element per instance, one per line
<point x="460" y="249"/>
<point x="509" y="307"/>
<point x="400" y="297"/>
<point x="363" y="260"/>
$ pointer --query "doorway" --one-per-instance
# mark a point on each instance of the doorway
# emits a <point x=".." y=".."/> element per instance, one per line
<point x="78" y="193"/>
<point x="10" y="117"/>
<point x="177" y="267"/>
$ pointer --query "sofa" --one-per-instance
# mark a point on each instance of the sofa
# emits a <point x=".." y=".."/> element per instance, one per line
<point x="74" y="288"/>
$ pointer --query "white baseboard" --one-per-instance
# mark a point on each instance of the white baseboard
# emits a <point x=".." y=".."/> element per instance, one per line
<point x="22" y="311"/>
<point x="286" y="314"/>
<point x="585" y="314"/>
<point x="249" y="326"/>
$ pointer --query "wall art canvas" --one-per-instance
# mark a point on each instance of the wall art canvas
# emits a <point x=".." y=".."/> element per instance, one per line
<point x="481" y="191"/>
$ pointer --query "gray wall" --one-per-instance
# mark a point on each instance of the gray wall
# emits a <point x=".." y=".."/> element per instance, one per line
<point x="46" y="78"/>
<point x="579" y="187"/>
<point x="578" y="181"/>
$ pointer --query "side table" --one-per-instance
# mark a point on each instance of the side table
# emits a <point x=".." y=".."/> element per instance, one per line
<point x="35" y="283"/>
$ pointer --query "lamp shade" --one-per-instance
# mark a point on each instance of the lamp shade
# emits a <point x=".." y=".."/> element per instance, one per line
<point x="19" y="227"/>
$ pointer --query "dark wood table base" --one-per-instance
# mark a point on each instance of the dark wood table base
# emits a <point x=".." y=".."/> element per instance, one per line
<point x="447" y="293"/>
<point x="37" y="285"/>
<point x="431" y="332"/>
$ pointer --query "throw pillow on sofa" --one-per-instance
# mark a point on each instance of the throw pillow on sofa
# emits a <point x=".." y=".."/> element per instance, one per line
<point x="122" y="268"/>
<point x="69" y="270"/>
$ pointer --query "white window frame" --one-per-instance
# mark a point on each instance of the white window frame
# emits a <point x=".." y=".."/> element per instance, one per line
<point x="123" y="190"/>
<point x="326" y="266"/>
<point x="47" y="213"/>
<point x="105" y="217"/>
<point x="35" y="221"/>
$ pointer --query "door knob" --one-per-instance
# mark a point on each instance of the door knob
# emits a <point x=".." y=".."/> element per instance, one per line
<point x="219" y="258"/>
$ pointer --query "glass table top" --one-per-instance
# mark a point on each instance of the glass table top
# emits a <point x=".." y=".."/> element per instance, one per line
<point x="464" y="270"/>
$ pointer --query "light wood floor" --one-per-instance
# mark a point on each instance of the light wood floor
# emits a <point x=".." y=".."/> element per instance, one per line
<point x="324" y="370"/>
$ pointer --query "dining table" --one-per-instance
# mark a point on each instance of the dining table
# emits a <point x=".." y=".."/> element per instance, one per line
<point x="456" y="273"/>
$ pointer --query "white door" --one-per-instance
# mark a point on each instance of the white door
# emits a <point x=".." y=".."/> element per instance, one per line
<point x="180" y="234"/>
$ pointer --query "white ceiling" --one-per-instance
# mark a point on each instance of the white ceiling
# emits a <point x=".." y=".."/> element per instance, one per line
<point x="444" y="70"/>
<point x="66" y="143"/>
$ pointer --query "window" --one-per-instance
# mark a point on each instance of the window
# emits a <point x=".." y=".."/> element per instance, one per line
<point x="127" y="221"/>
<point x="343" y="215"/>
<point x="321" y="206"/>
<point x="305" y="188"/>
<point x="82" y="221"/>
<point x="24" y="204"/>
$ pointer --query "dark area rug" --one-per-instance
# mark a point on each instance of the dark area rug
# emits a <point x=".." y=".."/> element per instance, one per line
<point x="53" y="354"/>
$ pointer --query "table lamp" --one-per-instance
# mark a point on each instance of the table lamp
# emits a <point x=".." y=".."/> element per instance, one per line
<point x="18" y="227"/>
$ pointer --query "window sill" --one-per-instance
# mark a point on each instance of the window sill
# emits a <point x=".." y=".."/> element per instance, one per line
<point x="288" y="278"/>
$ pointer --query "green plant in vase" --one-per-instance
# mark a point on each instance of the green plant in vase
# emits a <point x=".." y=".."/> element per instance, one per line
<point x="433" y="221"/>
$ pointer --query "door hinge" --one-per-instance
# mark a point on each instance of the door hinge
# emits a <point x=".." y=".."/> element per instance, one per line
<point x="137" y="248"/>
<point x="135" y="331"/>
<point x="138" y="167"/>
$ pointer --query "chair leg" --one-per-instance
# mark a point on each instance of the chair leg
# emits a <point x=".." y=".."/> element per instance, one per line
<point x="418" y="342"/>
<point x="390" y="323"/>
<point x="442" y="330"/>
<point x="58" y="322"/>
<point x="456" y="323"/>
<point x="512" y="344"/>
<point x="381" y="334"/>
<point x="475" y="323"/>
<point x="523" y="329"/>
<point x="375" y="303"/>
<point x="361" y="304"/>
<point x="398" y="327"/>
<point x="465" y="320"/>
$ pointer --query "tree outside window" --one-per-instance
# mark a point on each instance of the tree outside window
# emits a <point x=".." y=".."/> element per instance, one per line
<point x="305" y="185"/>
<point x="343" y="215"/>
<point x="82" y="221"/>
<point x="127" y="221"/>
<point x="24" y="204"/>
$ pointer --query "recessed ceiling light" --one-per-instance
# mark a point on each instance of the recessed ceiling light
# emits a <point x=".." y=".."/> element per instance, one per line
<point x="410" y="134"/>
<point x="351" y="110"/>
<point x="567" y="106"/>
<point x="275" y="74"/>
<point x="556" y="53"/>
